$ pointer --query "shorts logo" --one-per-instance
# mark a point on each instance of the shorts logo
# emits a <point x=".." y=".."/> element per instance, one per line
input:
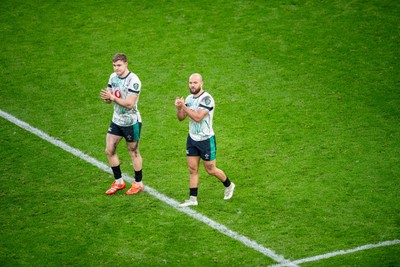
<point x="207" y="156"/>
<point x="187" y="152"/>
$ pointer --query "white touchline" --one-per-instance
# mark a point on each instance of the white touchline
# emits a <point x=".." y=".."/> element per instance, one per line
<point x="213" y="224"/>
<point x="340" y="252"/>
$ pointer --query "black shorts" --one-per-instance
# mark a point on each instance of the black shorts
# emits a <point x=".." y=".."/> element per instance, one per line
<point x="206" y="149"/>
<point x="130" y="133"/>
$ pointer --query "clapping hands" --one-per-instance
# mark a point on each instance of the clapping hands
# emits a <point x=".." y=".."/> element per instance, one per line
<point x="179" y="102"/>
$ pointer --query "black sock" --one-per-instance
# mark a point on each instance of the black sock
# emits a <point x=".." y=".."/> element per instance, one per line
<point x="193" y="192"/>
<point x="138" y="176"/>
<point x="227" y="182"/>
<point x="117" y="172"/>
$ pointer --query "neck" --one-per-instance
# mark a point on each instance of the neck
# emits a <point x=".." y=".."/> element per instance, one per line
<point x="124" y="74"/>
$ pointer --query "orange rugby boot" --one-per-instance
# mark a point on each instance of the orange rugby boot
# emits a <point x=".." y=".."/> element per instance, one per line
<point x="115" y="187"/>
<point x="136" y="188"/>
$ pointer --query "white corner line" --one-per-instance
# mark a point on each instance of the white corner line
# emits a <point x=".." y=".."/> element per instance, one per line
<point x="173" y="203"/>
<point x="340" y="252"/>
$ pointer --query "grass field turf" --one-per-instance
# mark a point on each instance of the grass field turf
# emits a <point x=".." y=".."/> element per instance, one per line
<point x="307" y="126"/>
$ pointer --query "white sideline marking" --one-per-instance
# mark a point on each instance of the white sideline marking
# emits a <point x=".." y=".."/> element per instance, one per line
<point x="340" y="252"/>
<point x="213" y="224"/>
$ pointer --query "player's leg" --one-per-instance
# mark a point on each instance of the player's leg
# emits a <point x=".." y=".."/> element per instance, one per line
<point x="137" y="161"/>
<point x="112" y="142"/>
<point x="193" y="161"/>
<point x="212" y="169"/>
<point x="132" y="137"/>
<point x="193" y="165"/>
<point x="136" y="157"/>
<point x="220" y="175"/>
<point x="209" y="154"/>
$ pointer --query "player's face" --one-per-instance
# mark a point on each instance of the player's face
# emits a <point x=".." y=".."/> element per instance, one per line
<point x="195" y="85"/>
<point x="120" y="68"/>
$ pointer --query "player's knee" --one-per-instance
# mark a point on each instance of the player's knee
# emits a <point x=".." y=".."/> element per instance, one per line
<point x="134" y="153"/>
<point x="211" y="170"/>
<point x="110" y="152"/>
<point x="193" y="170"/>
<point x="133" y="148"/>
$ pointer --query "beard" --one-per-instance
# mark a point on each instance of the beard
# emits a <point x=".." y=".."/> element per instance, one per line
<point x="195" y="91"/>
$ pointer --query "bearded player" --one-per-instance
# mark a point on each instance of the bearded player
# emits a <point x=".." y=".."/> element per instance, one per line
<point x="199" y="107"/>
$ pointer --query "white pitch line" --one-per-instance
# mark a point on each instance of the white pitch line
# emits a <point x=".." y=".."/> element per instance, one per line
<point x="211" y="223"/>
<point x="173" y="203"/>
<point x="340" y="252"/>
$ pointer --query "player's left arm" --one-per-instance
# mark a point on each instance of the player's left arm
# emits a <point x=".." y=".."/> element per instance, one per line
<point x="196" y="116"/>
<point x="205" y="106"/>
<point x="128" y="102"/>
<point x="180" y="113"/>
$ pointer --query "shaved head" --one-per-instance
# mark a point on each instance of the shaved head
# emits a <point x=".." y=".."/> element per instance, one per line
<point x="196" y="76"/>
<point x="196" y="84"/>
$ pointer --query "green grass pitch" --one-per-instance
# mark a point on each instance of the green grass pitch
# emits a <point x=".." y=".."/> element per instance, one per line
<point x="307" y="124"/>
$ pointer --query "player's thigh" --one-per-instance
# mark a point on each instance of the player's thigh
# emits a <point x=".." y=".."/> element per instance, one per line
<point x="193" y="163"/>
<point x="112" y="141"/>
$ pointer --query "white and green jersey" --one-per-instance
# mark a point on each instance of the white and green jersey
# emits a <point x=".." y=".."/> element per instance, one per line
<point x="203" y="130"/>
<point x="121" y="88"/>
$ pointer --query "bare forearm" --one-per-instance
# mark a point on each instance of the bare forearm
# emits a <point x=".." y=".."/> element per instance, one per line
<point x="122" y="102"/>
<point x="109" y="97"/>
<point x="195" y="116"/>
<point x="180" y="114"/>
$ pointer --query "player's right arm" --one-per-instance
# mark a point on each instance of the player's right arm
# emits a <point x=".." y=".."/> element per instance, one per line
<point x="103" y="96"/>
<point x="180" y="113"/>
